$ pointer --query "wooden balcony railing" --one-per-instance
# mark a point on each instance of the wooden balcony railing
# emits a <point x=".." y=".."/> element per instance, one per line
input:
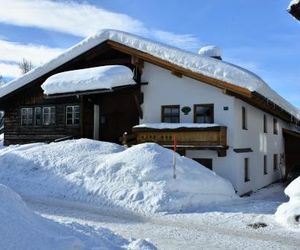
<point x="214" y="138"/>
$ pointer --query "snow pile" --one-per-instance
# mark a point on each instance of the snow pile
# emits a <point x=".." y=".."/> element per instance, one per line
<point x="289" y="213"/>
<point x="20" y="228"/>
<point x="176" y="125"/>
<point x="199" y="64"/>
<point x="210" y="51"/>
<point x="104" y="77"/>
<point x="139" y="178"/>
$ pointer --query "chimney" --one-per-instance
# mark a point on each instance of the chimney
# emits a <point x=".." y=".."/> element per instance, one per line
<point x="211" y="51"/>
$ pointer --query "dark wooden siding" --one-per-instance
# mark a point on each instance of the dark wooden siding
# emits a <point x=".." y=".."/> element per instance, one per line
<point x="17" y="134"/>
<point x="118" y="111"/>
<point x="119" y="107"/>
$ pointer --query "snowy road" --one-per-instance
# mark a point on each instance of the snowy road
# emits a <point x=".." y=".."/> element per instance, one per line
<point x="206" y="230"/>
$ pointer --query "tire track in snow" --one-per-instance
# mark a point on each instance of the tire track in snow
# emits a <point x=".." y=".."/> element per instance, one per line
<point x="176" y="225"/>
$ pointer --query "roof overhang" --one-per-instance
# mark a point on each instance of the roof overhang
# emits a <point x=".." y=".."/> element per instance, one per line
<point x="94" y="92"/>
<point x="290" y="132"/>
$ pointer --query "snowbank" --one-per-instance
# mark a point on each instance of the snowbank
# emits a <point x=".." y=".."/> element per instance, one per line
<point x="1" y="140"/>
<point x="139" y="178"/>
<point x="289" y="213"/>
<point x="104" y="77"/>
<point x="199" y="64"/>
<point x="20" y="228"/>
<point x="176" y="125"/>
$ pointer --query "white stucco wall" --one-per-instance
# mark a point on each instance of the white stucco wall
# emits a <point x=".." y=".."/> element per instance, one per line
<point x="166" y="89"/>
<point x="261" y="143"/>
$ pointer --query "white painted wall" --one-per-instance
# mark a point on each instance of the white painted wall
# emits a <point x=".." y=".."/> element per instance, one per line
<point x="166" y="89"/>
<point x="261" y="143"/>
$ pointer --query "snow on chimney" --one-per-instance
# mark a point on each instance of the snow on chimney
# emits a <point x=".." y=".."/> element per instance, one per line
<point x="211" y="51"/>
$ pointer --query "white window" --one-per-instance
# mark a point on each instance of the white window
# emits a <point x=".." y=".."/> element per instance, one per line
<point x="48" y="115"/>
<point x="73" y="115"/>
<point x="37" y="116"/>
<point x="26" y="116"/>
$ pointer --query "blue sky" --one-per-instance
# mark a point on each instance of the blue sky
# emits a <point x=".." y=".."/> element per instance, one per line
<point x="258" y="35"/>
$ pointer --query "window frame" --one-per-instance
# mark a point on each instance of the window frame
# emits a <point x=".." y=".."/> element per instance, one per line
<point x="246" y="170"/>
<point x="27" y="115"/>
<point x="209" y="105"/>
<point x="73" y="113"/>
<point x="244" y="118"/>
<point x="51" y="122"/>
<point x="34" y="116"/>
<point x="163" y="117"/>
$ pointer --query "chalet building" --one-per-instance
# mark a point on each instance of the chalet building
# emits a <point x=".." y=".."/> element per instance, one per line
<point x="117" y="85"/>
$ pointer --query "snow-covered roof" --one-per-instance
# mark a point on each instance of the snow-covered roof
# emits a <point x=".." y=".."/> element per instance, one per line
<point x="104" y="77"/>
<point x="176" y="125"/>
<point x="207" y="66"/>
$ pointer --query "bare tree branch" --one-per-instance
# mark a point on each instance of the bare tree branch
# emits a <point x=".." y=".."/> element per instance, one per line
<point x="25" y="65"/>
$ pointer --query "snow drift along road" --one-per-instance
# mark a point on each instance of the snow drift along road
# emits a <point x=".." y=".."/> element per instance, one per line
<point x="20" y="228"/>
<point x="139" y="178"/>
<point x="289" y="213"/>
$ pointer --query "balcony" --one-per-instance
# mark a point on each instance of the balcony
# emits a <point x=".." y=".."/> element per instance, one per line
<point x="187" y="135"/>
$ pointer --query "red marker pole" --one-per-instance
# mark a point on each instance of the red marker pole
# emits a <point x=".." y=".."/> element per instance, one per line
<point x="174" y="156"/>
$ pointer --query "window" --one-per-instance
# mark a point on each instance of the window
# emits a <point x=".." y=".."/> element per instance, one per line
<point x="265" y="124"/>
<point x="246" y="170"/>
<point x="244" y="118"/>
<point x="265" y="165"/>
<point x="275" y="162"/>
<point x="73" y="115"/>
<point x="204" y="113"/>
<point x="170" y="114"/>
<point x="37" y="116"/>
<point x="275" y="126"/>
<point x="26" y="116"/>
<point x="48" y="115"/>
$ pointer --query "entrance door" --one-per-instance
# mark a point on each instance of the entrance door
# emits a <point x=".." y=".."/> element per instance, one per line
<point x="96" y="121"/>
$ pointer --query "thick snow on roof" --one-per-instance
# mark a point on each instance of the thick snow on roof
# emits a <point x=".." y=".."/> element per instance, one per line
<point x="211" y="51"/>
<point x="104" y="77"/>
<point x="176" y="125"/>
<point x="200" y="64"/>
